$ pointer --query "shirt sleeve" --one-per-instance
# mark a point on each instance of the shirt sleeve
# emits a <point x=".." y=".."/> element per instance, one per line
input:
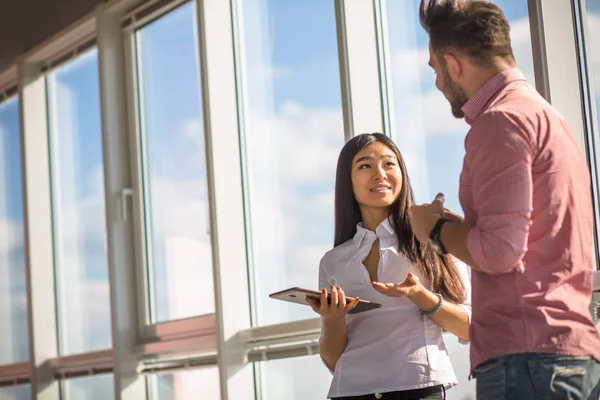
<point x="499" y="160"/>
<point x="463" y="270"/>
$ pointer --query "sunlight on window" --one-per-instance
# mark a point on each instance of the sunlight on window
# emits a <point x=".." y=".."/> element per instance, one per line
<point x="13" y="295"/>
<point x="97" y="387"/>
<point x="178" y="247"/>
<point x="293" y="134"/>
<point x="78" y="209"/>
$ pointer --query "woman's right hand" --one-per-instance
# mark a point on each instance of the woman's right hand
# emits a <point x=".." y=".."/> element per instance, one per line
<point x="338" y="307"/>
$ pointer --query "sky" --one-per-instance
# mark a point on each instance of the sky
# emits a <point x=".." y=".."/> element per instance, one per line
<point x="293" y="132"/>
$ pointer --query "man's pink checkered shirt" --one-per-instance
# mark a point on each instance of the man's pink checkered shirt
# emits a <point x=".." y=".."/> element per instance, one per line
<point x="525" y="185"/>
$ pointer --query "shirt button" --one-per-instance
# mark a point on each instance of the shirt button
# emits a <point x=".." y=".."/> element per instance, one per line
<point x="378" y="395"/>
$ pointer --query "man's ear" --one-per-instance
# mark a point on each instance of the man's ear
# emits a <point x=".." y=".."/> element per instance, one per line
<point x="454" y="66"/>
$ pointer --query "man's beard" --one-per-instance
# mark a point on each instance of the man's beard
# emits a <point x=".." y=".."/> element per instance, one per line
<point x="455" y="95"/>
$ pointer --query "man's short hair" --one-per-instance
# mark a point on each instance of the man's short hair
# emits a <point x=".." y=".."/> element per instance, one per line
<point x="476" y="29"/>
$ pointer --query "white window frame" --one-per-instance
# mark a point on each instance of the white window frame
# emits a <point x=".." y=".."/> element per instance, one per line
<point x="592" y="127"/>
<point x="202" y="340"/>
<point x="132" y="21"/>
<point x="37" y="213"/>
<point x="17" y="373"/>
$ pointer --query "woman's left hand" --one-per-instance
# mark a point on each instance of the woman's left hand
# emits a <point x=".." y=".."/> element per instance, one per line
<point x="407" y="288"/>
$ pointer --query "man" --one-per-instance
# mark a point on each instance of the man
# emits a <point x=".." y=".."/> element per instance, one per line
<point x="527" y="231"/>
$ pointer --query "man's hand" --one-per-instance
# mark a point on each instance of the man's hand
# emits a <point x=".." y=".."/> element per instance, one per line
<point x="424" y="217"/>
<point x="452" y="216"/>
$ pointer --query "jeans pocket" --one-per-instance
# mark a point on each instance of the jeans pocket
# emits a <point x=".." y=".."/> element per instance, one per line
<point x="559" y="378"/>
<point x="491" y="380"/>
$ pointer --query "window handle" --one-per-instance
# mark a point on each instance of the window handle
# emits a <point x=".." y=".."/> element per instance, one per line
<point x="125" y="193"/>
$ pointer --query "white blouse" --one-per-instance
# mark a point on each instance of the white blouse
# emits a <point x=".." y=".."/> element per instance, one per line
<point x="389" y="348"/>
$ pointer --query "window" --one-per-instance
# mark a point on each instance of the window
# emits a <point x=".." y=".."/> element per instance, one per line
<point x="292" y="133"/>
<point x="97" y="387"/>
<point x="593" y="25"/>
<point x="182" y="385"/>
<point x="177" y="230"/>
<point x="593" y="55"/>
<point x="430" y="138"/>
<point x="15" y="393"/>
<point x="14" y="346"/>
<point x="78" y="210"/>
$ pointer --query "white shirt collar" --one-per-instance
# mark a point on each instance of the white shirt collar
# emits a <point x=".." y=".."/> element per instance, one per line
<point x="384" y="231"/>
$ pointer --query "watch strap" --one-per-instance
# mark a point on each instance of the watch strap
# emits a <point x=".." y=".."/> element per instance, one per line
<point x="434" y="236"/>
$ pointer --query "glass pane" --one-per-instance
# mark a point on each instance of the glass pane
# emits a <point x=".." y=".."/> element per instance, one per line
<point x="97" y="387"/>
<point x="182" y="385"/>
<point x="593" y="26"/>
<point x="287" y="379"/>
<point x="14" y="346"/>
<point x="15" y="393"/>
<point x="429" y="137"/>
<point x="293" y="133"/>
<point x="78" y="206"/>
<point x="174" y="168"/>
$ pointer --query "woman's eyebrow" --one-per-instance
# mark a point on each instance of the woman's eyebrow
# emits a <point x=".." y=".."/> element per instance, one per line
<point x="364" y="158"/>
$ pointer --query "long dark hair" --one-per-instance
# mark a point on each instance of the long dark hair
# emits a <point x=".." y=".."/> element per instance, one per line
<point x="440" y="270"/>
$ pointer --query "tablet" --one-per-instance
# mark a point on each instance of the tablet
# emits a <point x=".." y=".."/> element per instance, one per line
<point x="298" y="295"/>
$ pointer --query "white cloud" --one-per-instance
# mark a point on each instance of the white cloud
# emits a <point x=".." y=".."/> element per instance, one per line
<point x="324" y="202"/>
<point x="193" y="129"/>
<point x="521" y="44"/>
<point x="428" y="113"/>
<point x="11" y="236"/>
<point x="431" y="115"/>
<point x="13" y="326"/>
<point x="292" y="154"/>
<point x="308" y="252"/>
<point x="292" y="158"/>
<point x="180" y="208"/>
<point x="410" y="63"/>
<point x="280" y="72"/>
<point x="299" y="144"/>
<point x="264" y="73"/>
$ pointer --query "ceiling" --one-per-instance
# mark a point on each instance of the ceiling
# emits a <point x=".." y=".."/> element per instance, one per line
<point x="26" y="23"/>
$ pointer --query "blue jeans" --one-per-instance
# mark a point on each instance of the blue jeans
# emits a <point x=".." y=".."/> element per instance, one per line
<point x="538" y="377"/>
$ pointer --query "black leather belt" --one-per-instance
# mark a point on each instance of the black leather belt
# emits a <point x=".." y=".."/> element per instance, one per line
<point x="414" y="394"/>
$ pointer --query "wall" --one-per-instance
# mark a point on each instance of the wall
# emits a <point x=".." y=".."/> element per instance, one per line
<point x="21" y="28"/>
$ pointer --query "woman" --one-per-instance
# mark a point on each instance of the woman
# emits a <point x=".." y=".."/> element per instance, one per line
<point x="396" y="351"/>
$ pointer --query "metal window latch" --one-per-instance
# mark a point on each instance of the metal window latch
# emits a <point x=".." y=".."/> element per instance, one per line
<point x="125" y="193"/>
<point x="595" y="309"/>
